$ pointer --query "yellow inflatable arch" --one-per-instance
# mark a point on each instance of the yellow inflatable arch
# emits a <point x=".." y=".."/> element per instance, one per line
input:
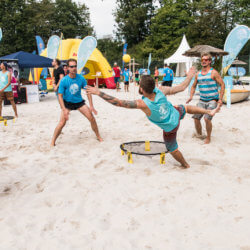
<point x="96" y="63"/>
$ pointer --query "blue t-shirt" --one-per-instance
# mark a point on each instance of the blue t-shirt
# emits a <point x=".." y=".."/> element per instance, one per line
<point x="163" y="113"/>
<point x="169" y="74"/>
<point x="126" y="75"/>
<point x="4" y="79"/>
<point x="70" y="88"/>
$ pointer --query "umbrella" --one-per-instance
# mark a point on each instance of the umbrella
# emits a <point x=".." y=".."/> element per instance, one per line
<point x="197" y="50"/>
<point x="238" y="62"/>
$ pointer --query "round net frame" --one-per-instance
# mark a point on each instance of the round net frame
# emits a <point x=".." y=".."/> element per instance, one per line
<point x="7" y="117"/>
<point x="146" y="148"/>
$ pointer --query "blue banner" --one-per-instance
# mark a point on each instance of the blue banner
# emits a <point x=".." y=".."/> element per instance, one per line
<point x="235" y="41"/>
<point x="86" y="48"/>
<point x="125" y="46"/>
<point x="53" y="46"/>
<point x="1" y="34"/>
<point x="39" y="44"/>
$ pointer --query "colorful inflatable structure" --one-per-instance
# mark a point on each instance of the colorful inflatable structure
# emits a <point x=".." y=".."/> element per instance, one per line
<point x="96" y="63"/>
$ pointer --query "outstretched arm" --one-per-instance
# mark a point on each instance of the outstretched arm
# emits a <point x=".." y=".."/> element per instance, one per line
<point x="216" y="76"/>
<point x="181" y="87"/>
<point x="113" y="100"/>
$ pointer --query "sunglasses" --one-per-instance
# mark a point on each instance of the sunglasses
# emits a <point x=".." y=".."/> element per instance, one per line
<point x="205" y="60"/>
<point x="72" y="66"/>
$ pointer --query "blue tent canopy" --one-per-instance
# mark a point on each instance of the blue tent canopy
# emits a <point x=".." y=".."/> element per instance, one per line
<point x="28" y="60"/>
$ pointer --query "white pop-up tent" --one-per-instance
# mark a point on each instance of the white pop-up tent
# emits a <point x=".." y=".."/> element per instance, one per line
<point x="184" y="63"/>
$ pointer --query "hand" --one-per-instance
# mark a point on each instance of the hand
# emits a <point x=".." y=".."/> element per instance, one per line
<point x="189" y="100"/>
<point x="54" y="87"/>
<point x="1" y="91"/>
<point x="66" y="114"/>
<point x="92" y="90"/>
<point x="219" y="102"/>
<point x="191" y="72"/>
<point x="92" y="109"/>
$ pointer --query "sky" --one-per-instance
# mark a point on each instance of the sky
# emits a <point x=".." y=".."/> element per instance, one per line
<point x="101" y="15"/>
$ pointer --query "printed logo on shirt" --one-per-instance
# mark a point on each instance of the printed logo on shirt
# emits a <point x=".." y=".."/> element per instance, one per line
<point x="163" y="110"/>
<point x="73" y="89"/>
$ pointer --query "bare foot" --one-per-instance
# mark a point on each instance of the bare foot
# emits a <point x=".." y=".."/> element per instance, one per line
<point x="214" y="111"/>
<point x="185" y="166"/>
<point x="99" y="138"/>
<point x="199" y="136"/>
<point x="207" y="141"/>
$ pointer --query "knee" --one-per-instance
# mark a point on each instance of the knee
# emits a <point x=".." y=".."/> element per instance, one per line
<point x="62" y="124"/>
<point x="208" y="121"/>
<point x="92" y="119"/>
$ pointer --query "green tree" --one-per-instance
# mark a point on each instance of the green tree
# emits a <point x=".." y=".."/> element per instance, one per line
<point x="111" y="50"/>
<point x="133" y="19"/>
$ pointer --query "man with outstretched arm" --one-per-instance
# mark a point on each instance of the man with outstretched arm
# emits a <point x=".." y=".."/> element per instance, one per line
<point x="159" y="110"/>
<point x="69" y="96"/>
<point x="207" y="80"/>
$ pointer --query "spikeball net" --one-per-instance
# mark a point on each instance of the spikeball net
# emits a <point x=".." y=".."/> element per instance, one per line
<point x="144" y="148"/>
<point x="4" y="119"/>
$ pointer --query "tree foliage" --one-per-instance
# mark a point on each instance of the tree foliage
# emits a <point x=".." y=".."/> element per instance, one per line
<point x="22" y="20"/>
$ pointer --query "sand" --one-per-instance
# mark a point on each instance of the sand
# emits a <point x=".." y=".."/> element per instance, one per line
<point x="83" y="194"/>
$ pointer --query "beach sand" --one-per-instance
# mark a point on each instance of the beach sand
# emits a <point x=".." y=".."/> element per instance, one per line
<point x="83" y="194"/>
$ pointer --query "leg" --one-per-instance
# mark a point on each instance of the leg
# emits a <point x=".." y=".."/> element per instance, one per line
<point x="209" y="130"/>
<point x="172" y="146"/>
<point x="198" y="127"/>
<point x="197" y="110"/>
<point x="1" y="103"/>
<point x="14" y="107"/>
<point x="179" y="157"/>
<point x="87" y="113"/>
<point x="58" y="129"/>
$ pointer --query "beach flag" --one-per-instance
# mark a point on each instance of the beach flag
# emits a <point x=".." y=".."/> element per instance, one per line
<point x="40" y="45"/>
<point x="124" y="52"/>
<point x="86" y="48"/>
<point x="149" y="60"/>
<point x="1" y="34"/>
<point x="53" y="46"/>
<point x="235" y="41"/>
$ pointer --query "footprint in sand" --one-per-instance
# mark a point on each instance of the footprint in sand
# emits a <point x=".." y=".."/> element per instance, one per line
<point x="200" y="162"/>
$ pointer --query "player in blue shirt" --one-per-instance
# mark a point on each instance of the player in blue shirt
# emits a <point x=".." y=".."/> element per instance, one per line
<point x="159" y="110"/>
<point x="70" y="98"/>
<point x="126" y="79"/>
<point x="168" y="76"/>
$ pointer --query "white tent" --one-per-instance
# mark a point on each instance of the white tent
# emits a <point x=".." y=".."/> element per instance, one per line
<point x="184" y="63"/>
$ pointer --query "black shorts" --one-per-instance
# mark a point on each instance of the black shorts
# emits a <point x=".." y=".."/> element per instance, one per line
<point x="73" y="106"/>
<point x="167" y="83"/>
<point x="126" y="83"/>
<point x="156" y="77"/>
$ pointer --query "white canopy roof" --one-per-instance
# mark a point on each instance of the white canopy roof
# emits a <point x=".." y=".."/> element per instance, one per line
<point x="177" y="57"/>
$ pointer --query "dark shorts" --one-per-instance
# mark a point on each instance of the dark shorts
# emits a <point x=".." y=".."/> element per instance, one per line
<point x="73" y="106"/>
<point x="167" y="83"/>
<point x="6" y="95"/>
<point x="117" y="79"/>
<point x="156" y="77"/>
<point x="170" y="137"/>
<point x="126" y="83"/>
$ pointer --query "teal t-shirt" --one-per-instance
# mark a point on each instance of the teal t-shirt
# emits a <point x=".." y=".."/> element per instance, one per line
<point x="163" y="113"/>
<point x="4" y="81"/>
<point x="70" y="88"/>
<point x="126" y="75"/>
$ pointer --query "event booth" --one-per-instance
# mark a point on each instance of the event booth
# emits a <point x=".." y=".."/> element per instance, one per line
<point x="184" y="63"/>
<point x="20" y="60"/>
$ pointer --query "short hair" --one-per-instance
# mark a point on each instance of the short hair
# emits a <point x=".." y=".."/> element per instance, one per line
<point x="147" y="83"/>
<point x="58" y="62"/>
<point x="115" y="64"/>
<point x="207" y="54"/>
<point x="71" y="60"/>
<point x="165" y="65"/>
